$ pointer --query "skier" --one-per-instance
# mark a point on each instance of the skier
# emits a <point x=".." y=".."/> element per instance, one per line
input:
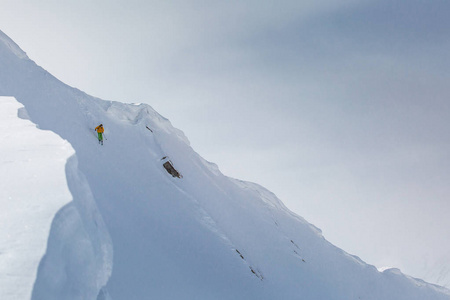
<point x="100" y="131"/>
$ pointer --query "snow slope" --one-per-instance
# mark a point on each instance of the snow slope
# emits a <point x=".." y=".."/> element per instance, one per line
<point x="46" y="207"/>
<point x="205" y="236"/>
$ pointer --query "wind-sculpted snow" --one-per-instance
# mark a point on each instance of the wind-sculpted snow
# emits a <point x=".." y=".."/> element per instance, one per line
<point x="32" y="189"/>
<point x="78" y="261"/>
<point x="205" y="236"/>
<point x="40" y="186"/>
<point x="12" y="46"/>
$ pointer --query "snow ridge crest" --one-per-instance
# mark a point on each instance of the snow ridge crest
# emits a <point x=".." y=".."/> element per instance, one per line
<point x="12" y="46"/>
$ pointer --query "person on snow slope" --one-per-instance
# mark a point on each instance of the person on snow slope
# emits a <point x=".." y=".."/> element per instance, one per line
<point x="100" y="131"/>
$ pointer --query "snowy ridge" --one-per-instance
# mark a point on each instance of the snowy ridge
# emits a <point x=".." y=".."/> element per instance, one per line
<point x="395" y="272"/>
<point x="144" y="114"/>
<point x="133" y="231"/>
<point x="12" y="46"/>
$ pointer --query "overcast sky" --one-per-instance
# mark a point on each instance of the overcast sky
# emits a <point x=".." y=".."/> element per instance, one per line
<point x="339" y="107"/>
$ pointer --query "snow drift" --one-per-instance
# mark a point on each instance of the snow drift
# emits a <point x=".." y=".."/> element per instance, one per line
<point x="203" y="236"/>
<point x="32" y="189"/>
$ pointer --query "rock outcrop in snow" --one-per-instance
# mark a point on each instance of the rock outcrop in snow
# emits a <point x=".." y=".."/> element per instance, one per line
<point x="205" y="236"/>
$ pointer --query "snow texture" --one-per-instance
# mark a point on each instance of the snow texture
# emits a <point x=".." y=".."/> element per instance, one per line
<point x="32" y="189"/>
<point x="13" y="47"/>
<point x="205" y="236"/>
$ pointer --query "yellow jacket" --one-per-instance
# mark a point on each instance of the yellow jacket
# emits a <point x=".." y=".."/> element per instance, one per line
<point x="99" y="129"/>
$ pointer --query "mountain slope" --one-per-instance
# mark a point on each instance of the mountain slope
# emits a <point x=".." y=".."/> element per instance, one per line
<point x="205" y="236"/>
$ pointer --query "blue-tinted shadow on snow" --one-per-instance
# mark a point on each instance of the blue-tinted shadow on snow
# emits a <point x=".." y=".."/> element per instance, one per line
<point x="78" y="260"/>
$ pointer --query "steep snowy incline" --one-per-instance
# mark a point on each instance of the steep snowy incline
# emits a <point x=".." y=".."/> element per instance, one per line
<point x="204" y="236"/>
<point x="33" y="188"/>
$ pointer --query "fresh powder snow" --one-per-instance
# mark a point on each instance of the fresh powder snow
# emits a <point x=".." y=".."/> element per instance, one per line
<point x="133" y="231"/>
